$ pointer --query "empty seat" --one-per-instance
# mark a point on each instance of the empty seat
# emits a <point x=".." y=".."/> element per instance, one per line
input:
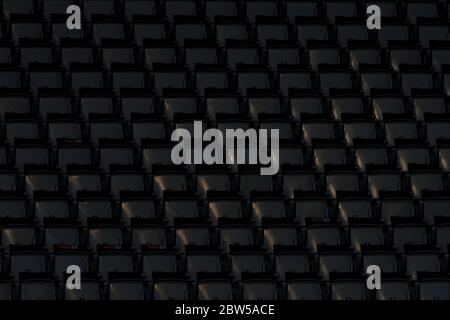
<point x="322" y="233"/>
<point x="215" y="8"/>
<point x="8" y="178"/>
<point x="349" y="28"/>
<point x="64" y="126"/>
<point x="334" y="76"/>
<point x="400" y="127"/>
<point x="155" y="152"/>
<point x="51" y="205"/>
<point x="282" y="52"/>
<point x="304" y="102"/>
<point x="199" y="52"/>
<point x="413" y="76"/>
<point x="110" y="260"/>
<point x="368" y="153"/>
<point x="179" y="204"/>
<point x="201" y="260"/>
<point x="106" y="27"/>
<point x="433" y="287"/>
<point x="342" y="8"/>
<point x="259" y="287"/>
<point x="347" y="287"/>
<point x="304" y="286"/>
<point x="310" y="205"/>
<point x="329" y="154"/>
<point x="191" y="232"/>
<point x="425" y="179"/>
<point x="430" y="28"/>
<point x="412" y="153"/>
<point x="439" y="54"/>
<point x="223" y="205"/>
<point x="174" y="8"/>
<point x="26" y="259"/>
<point x="64" y="256"/>
<point x="393" y="29"/>
<point x="104" y="232"/>
<point x="363" y="52"/>
<point x="311" y="28"/>
<point x="26" y="26"/>
<point x="384" y="179"/>
<point x="376" y="76"/>
<point x="148" y="233"/>
<point x="104" y="7"/>
<point x="253" y="76"/>
<point x="93" y="204"/>
<point x="170" y="287"/>
<point x="127" y="76"/>
<point x="105" y="126"/>
<point x="357" y="205"/>
<point x="318" y="127"/>
<point x="395" y="287"/>
<point x="61" y="232"/>
<point x="210" y="76"/>
<point x="21" y="126"/>
<point x="73" y="152"/>
<point x="59" y="31"/>
<point x="37" y="286"/>
<point x="90" y="289"/>
<point x="13" y="205"/>
<point x="51" y="7"/>
<point x="45" y="76"/>
<point x="83" y="178"/>
<point x="351" y="104"/>
<point x="214" y="287"/>
<point x="436" y="127"/>
<point x="31" y="152"/>
<point x="212" y="179"/>
<point x="189" y="27"/>
<point x="35" y="51"/>
<point x="366" y="232"/>
<point x="246" y="259"/>
<point x="271" y="28"/>
<point x="403" y="52"/>
<point x="435" y="205"/>
<point x="291" y="260"/>
<point x="334" y="259"/>
<point x="148" y="27"/>
<point x="322" y="52"/>
<point x="169" y="76"/>
<point x="408" y="231"/>
<point x="251" y="180"/>
<point x="158" y="260"/>
<point x="383" y="256"/>
<point x="52" y="101"/>
<point x="41" y="178"/>
<point x="6" y="288"/>
<point x="14" y="101"/>
<point x="126" y="286"/>
<point x="18" y="7"/>
<point x="293" y="76"/>
<point x="422" y="259"/>
<point x="387" y="101"/>
<point x="427" y="101"/>
<point x="116" y="153"/>
<point x="237" y="232"/>
<point x="279" y="232"/>
<point x="342" y="179"/>
<point x="86" y="76"/>
<point x="230" y="28"/>
<point x="396" y="204"/>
